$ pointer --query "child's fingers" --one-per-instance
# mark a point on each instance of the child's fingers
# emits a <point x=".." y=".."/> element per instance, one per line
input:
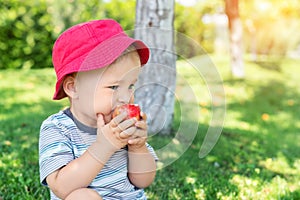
<point x="100" y="120"/>
<point x="143" y="115"/>
<point x="126" y="124"/>
<point x="118" y="119"/>
<point x="128" y="132"/>
<point x="137" y="141"/>
<point x="141" y="125"/>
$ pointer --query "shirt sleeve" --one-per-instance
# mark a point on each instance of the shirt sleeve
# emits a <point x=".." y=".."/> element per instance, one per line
<point x="55" y="149"/>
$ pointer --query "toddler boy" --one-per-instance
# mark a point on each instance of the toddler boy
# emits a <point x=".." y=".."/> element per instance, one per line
<point x="85" y="153"/>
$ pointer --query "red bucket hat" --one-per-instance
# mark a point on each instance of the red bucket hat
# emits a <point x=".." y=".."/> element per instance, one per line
<point x="91" y="45"/>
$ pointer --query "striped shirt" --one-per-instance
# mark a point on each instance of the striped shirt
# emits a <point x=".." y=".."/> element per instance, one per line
<point x="63" y="139"/>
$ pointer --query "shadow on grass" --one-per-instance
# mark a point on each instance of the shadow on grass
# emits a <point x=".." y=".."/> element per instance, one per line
<point x="268" y="62"/>
<point x="274" y="108"/>
<point x="260" y="158"/>
<point x="270" y="65"/>
<point x="266" y="147"/>
<point x="190" y="177"/>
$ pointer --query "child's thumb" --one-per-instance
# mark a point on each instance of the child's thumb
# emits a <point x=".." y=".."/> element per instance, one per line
<point x="100" y="120"/>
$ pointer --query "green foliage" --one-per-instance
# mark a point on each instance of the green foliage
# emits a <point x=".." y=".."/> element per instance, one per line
<point x="271" y="27"/>
<point x="256" y="157"/>
<point x="29" y="28"/>
<point x="189" y="26"/>
<point x="267" y="43"/>
<point x="122" y="11"/>
<point x="64" y="14"/>
<point x="25" y="36"/>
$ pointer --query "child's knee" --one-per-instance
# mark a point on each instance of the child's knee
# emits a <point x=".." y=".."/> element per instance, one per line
<point x="84" y="193"/>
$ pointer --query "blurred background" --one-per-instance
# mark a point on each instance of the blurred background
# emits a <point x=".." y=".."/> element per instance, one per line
<point x="29" y="28"/>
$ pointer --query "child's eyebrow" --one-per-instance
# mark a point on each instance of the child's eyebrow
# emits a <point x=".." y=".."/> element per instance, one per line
<point x="112" y="82"/>
<point x="121" y="81"/>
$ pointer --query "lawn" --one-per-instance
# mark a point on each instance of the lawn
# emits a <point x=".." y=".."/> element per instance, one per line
<point x="257" y="155"/>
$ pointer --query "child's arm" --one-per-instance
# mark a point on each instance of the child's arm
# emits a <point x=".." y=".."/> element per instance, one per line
<point x="80" y="172"/>
<point x="142" y="165"/>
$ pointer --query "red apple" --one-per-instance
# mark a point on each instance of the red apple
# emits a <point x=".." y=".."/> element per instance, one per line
<point x="133" y="110"/>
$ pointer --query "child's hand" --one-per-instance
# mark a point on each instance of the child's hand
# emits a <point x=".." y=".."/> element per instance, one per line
<point x="116" y="133"/>
<point x="139" y="137"/>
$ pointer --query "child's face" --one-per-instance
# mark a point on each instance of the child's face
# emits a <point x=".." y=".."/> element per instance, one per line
<point x="101" y="90"/>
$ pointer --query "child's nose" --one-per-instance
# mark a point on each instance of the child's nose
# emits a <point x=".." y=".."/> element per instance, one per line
<point x="126" y="98"/>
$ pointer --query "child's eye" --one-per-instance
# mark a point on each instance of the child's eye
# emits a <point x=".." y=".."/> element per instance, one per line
<point x="114" y="87"/>
<point x="131" y="86"/>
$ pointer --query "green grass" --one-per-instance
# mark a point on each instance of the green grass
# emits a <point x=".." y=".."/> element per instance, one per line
<point x="25" y="102"/>
<point x="256" y="157"/>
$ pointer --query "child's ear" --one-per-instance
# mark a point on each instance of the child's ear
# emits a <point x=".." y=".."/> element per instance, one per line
<point x="69" y="86"/>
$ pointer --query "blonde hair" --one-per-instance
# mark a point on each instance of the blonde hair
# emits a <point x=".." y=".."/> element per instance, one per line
<point x="130" y="49"/>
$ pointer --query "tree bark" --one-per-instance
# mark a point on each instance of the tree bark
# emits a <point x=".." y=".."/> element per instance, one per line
<point x="236" y="37"/>
<point x="155" y="88"/>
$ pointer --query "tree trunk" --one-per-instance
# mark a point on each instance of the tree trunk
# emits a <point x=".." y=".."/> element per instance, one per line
<point x="156" y="86"/>
<point x="236" y="37"/>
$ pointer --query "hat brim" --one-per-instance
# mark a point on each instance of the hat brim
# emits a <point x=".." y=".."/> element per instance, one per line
<point x="105" y="54"/>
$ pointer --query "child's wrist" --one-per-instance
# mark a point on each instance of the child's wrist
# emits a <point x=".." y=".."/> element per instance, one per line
<point x="138" y="148"/>
<point x="100" y="153"/>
